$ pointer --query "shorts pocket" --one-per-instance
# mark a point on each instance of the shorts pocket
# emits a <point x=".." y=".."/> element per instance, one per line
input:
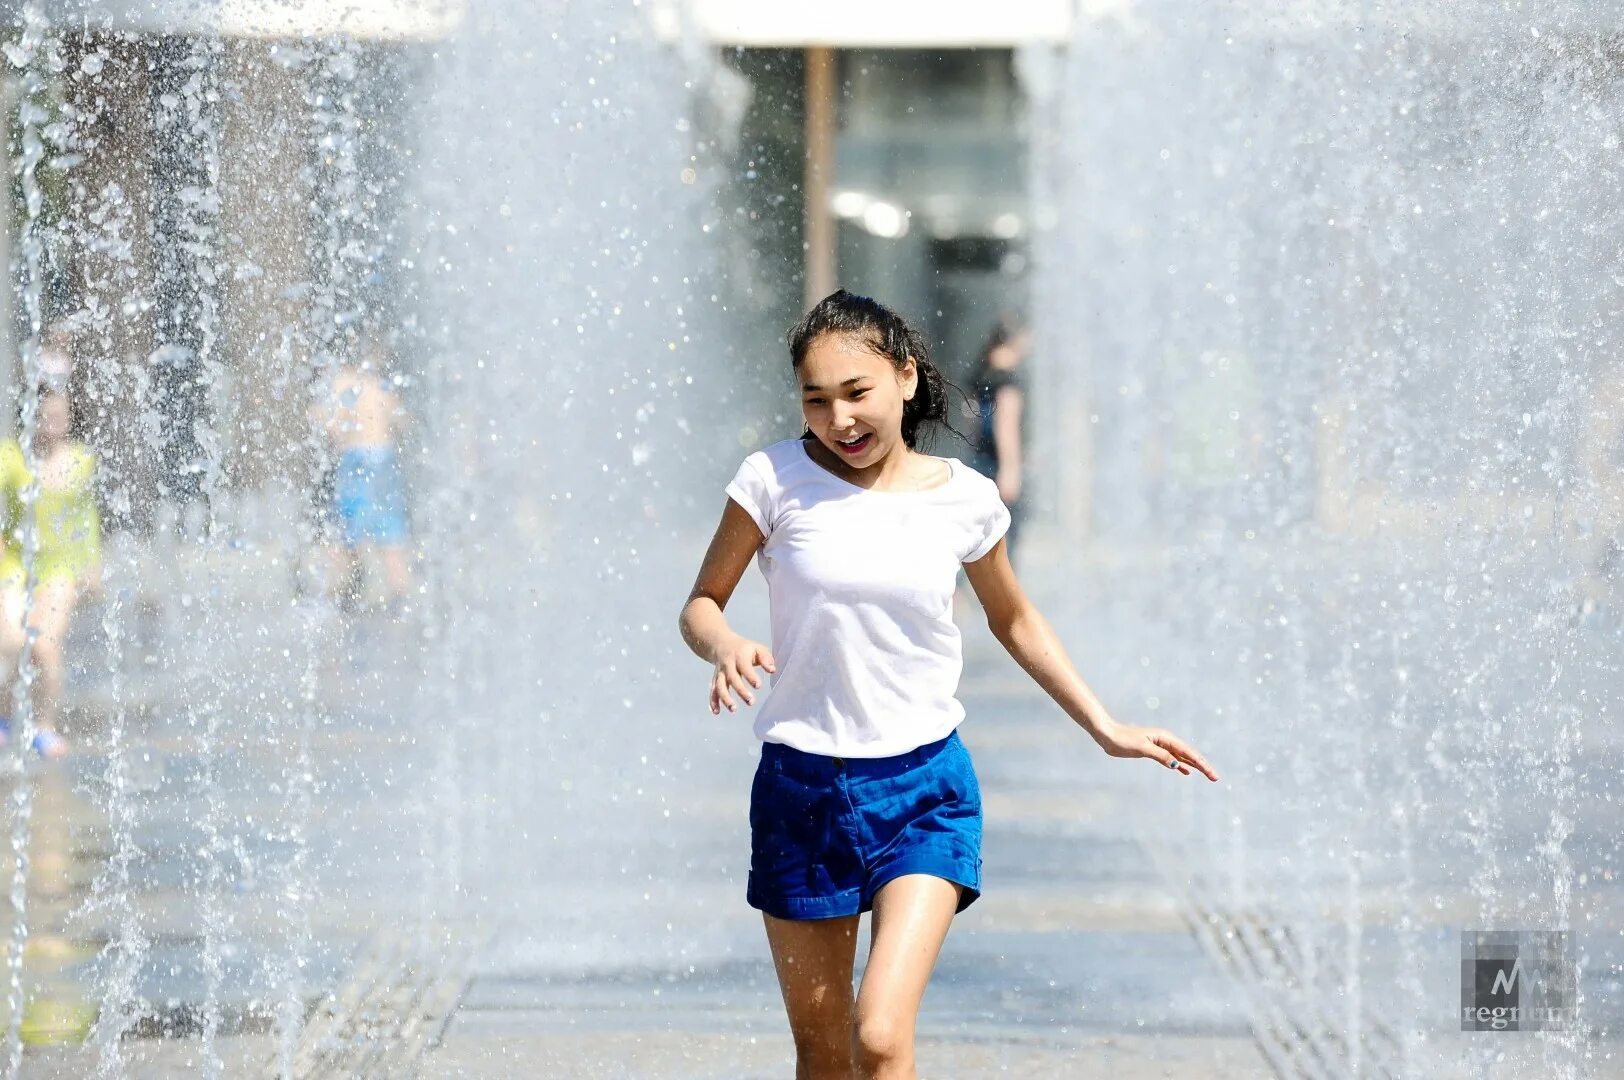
<point x="965" y="778"/>
<point x="782" y="814"/>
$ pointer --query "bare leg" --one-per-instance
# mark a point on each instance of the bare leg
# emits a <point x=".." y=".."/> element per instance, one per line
<point x="53" y="609"/>
<point x="911" y="919"/>
<point x="814" y="960"/>
<point x="11" y="640"/>
<point x="397" y="570"/>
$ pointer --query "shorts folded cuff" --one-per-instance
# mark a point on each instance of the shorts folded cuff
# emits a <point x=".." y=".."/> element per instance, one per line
<point x="960" y="871"/>
<point x="801" y="908"/>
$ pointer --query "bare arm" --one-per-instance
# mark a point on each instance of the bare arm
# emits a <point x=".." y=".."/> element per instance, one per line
<point x="704" y="628"/>
<point x="1006" y="434"/>
<point x="1023" y="631"/>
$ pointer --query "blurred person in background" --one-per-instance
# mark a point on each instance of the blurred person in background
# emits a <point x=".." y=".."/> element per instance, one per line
<point x="999" y="397"/>
<point x="68" y="563"/>
<point x="362" y="414"/>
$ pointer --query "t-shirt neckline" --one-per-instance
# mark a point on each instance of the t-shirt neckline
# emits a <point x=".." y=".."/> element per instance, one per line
<point x="951" y="473"/>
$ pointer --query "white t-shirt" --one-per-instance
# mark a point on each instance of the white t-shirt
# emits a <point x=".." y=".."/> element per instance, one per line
<point x="861" y="589"/>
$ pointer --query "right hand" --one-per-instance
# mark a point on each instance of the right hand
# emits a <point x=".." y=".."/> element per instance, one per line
<point x="735" y="670"/>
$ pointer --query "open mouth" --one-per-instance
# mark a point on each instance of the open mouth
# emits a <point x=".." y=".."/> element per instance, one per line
<point x="857" y="445"/>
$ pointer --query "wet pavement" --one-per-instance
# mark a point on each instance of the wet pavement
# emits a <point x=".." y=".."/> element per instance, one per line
<point x="609" y="894"/>
<point x="1108" y="940"/>
<point x="1075" y="961"/>
<point x="254" y="876"/>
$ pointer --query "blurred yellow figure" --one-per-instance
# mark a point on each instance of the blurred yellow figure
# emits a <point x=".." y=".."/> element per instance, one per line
<point x="69" y="556"/>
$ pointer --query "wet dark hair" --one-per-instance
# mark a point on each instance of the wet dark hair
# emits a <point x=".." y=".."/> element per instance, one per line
<point x="889" y="336"/>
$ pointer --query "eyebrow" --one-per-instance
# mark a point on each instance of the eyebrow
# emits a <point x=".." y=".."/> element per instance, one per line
<point x="848" y="382"/>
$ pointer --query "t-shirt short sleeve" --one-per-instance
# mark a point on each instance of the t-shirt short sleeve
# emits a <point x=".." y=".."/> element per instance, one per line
<point x="753" y="492"/>
<point x="995" y="380"/>
<point x="990" y="528"/>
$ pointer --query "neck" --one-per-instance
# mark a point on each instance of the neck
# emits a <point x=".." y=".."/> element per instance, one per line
<point x="883" y="473"/>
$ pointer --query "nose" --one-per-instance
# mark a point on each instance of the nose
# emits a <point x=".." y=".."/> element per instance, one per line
<point x="840" y="417"/>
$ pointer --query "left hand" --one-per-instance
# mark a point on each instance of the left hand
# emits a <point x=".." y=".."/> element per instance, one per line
<point x="1128" y="741"/>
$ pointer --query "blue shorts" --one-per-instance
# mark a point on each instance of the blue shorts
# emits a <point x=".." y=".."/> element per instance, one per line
<point x="371" y="496"/>
<point x="826" y="833"/>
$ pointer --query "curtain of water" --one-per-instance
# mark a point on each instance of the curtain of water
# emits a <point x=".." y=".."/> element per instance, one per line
<point x="565" y="357"/>
<point x="103" y="236"/>
<point x="293" y="725"/>
<point x="1348" y="298"/>
<point x="187" y="102"/>
<point x="316" y="344"/>
<point x="33" y="53"/>
<point x="578" y="406"/>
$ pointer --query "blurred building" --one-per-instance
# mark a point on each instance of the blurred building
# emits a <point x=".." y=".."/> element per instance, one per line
<point x="879" y="147"/>
<point x="883" y="147"/>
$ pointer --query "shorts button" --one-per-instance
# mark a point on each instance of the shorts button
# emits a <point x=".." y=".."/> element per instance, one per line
<point x="840" y="763"/>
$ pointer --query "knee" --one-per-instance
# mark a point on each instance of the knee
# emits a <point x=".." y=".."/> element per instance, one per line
<point x="47" y="652"/>
<point x="882" y="1040"/>
<point x="823" y="1042"/>
<point x="823" y="1053"/>
<point x="822" y="1038"/>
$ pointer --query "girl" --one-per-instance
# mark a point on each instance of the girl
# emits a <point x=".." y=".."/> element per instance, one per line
<point x="68" y="563"/>
<point x="865" y="799"/>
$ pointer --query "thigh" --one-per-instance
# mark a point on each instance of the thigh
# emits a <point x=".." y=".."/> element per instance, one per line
<point x="53" y="606"/>
<point x="814" y="960"/>
<point x="911" y="918"/>
<point x="11" y="617"/>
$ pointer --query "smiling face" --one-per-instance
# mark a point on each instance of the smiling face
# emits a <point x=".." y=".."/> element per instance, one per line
<point x="852" y="398"/>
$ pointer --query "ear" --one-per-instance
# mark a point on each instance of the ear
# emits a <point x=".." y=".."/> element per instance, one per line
<point x="909" y="378"/>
